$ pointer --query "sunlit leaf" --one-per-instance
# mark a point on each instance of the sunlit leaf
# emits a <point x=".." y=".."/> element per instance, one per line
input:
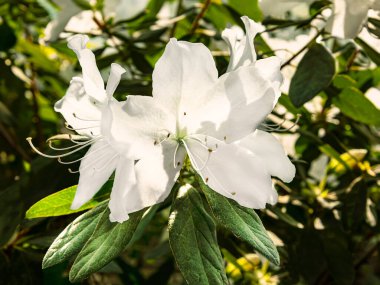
<point x="243" y="222"/>
<point x="59" y="203"/>
<point x="354" y="104"/>
<point x="192" y="236"/>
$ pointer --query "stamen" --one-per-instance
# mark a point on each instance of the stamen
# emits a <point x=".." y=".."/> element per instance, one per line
<point x="269" y="127"/>
<point x="29" y="140"/>
<point x="78" y="129"/>
<point x="191" y="157"/>
<point x="83" y="119"/>
<point x="86" y="155"/>
<point x="162" y="140"/>
<point x="93" y="139"/>
<point x="105" y="165"/>
<point x="67" y="137"/>
<point x="50" y="142"/>
<point x="203" y="145"/>
<point x="175" y="155"/>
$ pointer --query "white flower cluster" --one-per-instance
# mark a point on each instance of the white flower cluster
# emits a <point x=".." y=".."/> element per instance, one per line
<point x="193" y="113"/>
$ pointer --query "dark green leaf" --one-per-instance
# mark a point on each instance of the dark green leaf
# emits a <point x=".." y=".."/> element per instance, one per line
<point x="71" y="240"/>
<point x="192" y="237"/>
<point x="336" y="249"/>
<point x="314" y="73"/>
<point x="243" y="222"/>
<point x="8" y="37"/>
<point x="10" y="215"/>
<point x="372" y="54"/>
<point x="106" y="243"/>
<point x="355" y="105"/>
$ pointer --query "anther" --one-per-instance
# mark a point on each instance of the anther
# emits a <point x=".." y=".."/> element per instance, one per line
<point x="206" y="179"/>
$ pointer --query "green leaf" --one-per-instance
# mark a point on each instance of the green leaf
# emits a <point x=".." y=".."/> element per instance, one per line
<point x="58" y="204"/>
<point x="355" y="105"/>
<point x="331" y="152"/>
<point x="11" y="204"/>
<point x="146" y="219"/>
<point x="71" y="240"/>
<point x="106" y="243"/>
<point x="314" y="73"/>
<point x="192" y="237"/>
<point x="372" y="54"/>
<point x="243" y="222"/>
<point x="84" y="4"/>
<point x="249" y="8"/>
<point x="8" y="37"/>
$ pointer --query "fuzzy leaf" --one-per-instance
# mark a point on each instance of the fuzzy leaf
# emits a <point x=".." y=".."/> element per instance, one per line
<point x="106" y="243"/>
<point x="243" y="222"/>
<point x="71" y="240"/>
<point x="192" y="237"/>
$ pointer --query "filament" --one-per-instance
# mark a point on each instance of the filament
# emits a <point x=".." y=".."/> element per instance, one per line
<point x="50" y="142"/>
<point x="78" y="129"/>
<point x="270" y="127"/>
<point x="175" y="155"/>
<point x="29" y="140"/>
<point x="195" y="165"/>
<point x="79" y="159"/>
<point x="82" y="119"/>
<point x="96" y="160"/>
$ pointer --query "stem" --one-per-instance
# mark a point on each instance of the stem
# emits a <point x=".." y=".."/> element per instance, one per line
<point x="36" y="108"/>
<point x="179" y="8"/>
<point x="309" y="44"/>
<point x="13" y="142"/>
<point x="200" y="16"/>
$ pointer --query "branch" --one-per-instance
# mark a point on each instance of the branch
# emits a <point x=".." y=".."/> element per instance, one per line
<point x="200" y="16"/>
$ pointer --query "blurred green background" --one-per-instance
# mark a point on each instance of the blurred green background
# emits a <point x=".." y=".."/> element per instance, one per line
<point x="326" y="221"/>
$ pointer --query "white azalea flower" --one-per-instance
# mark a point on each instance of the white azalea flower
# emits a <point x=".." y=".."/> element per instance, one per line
<point x="349" y="16"/>
<point x="279" y="9"/>
<point x="119" y="10"/>
<point x="85" y="107"/>
<point x="194" y="112"/>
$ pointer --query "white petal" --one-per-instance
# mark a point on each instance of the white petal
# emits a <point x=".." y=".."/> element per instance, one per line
<point x="235" y="173"/>
<point x="125" y="177"/>
<point x="348" y="18"/>
<point x="135" y="126"/>
<point x="242" y="52"/>
<point x="114" y="78"/>
<point x="279" y="8"/>
<point x="79" y="110"/>
<point x="183" y="75"/>
<point x="93" y="81"/>
<point x="124" y="9"/>
<point x="96" y="167"/>
<point x="155" y="177"/>
<point x="239" y="102"/>
<point x="272" y="154"/>
<point x="58" y="24"/>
